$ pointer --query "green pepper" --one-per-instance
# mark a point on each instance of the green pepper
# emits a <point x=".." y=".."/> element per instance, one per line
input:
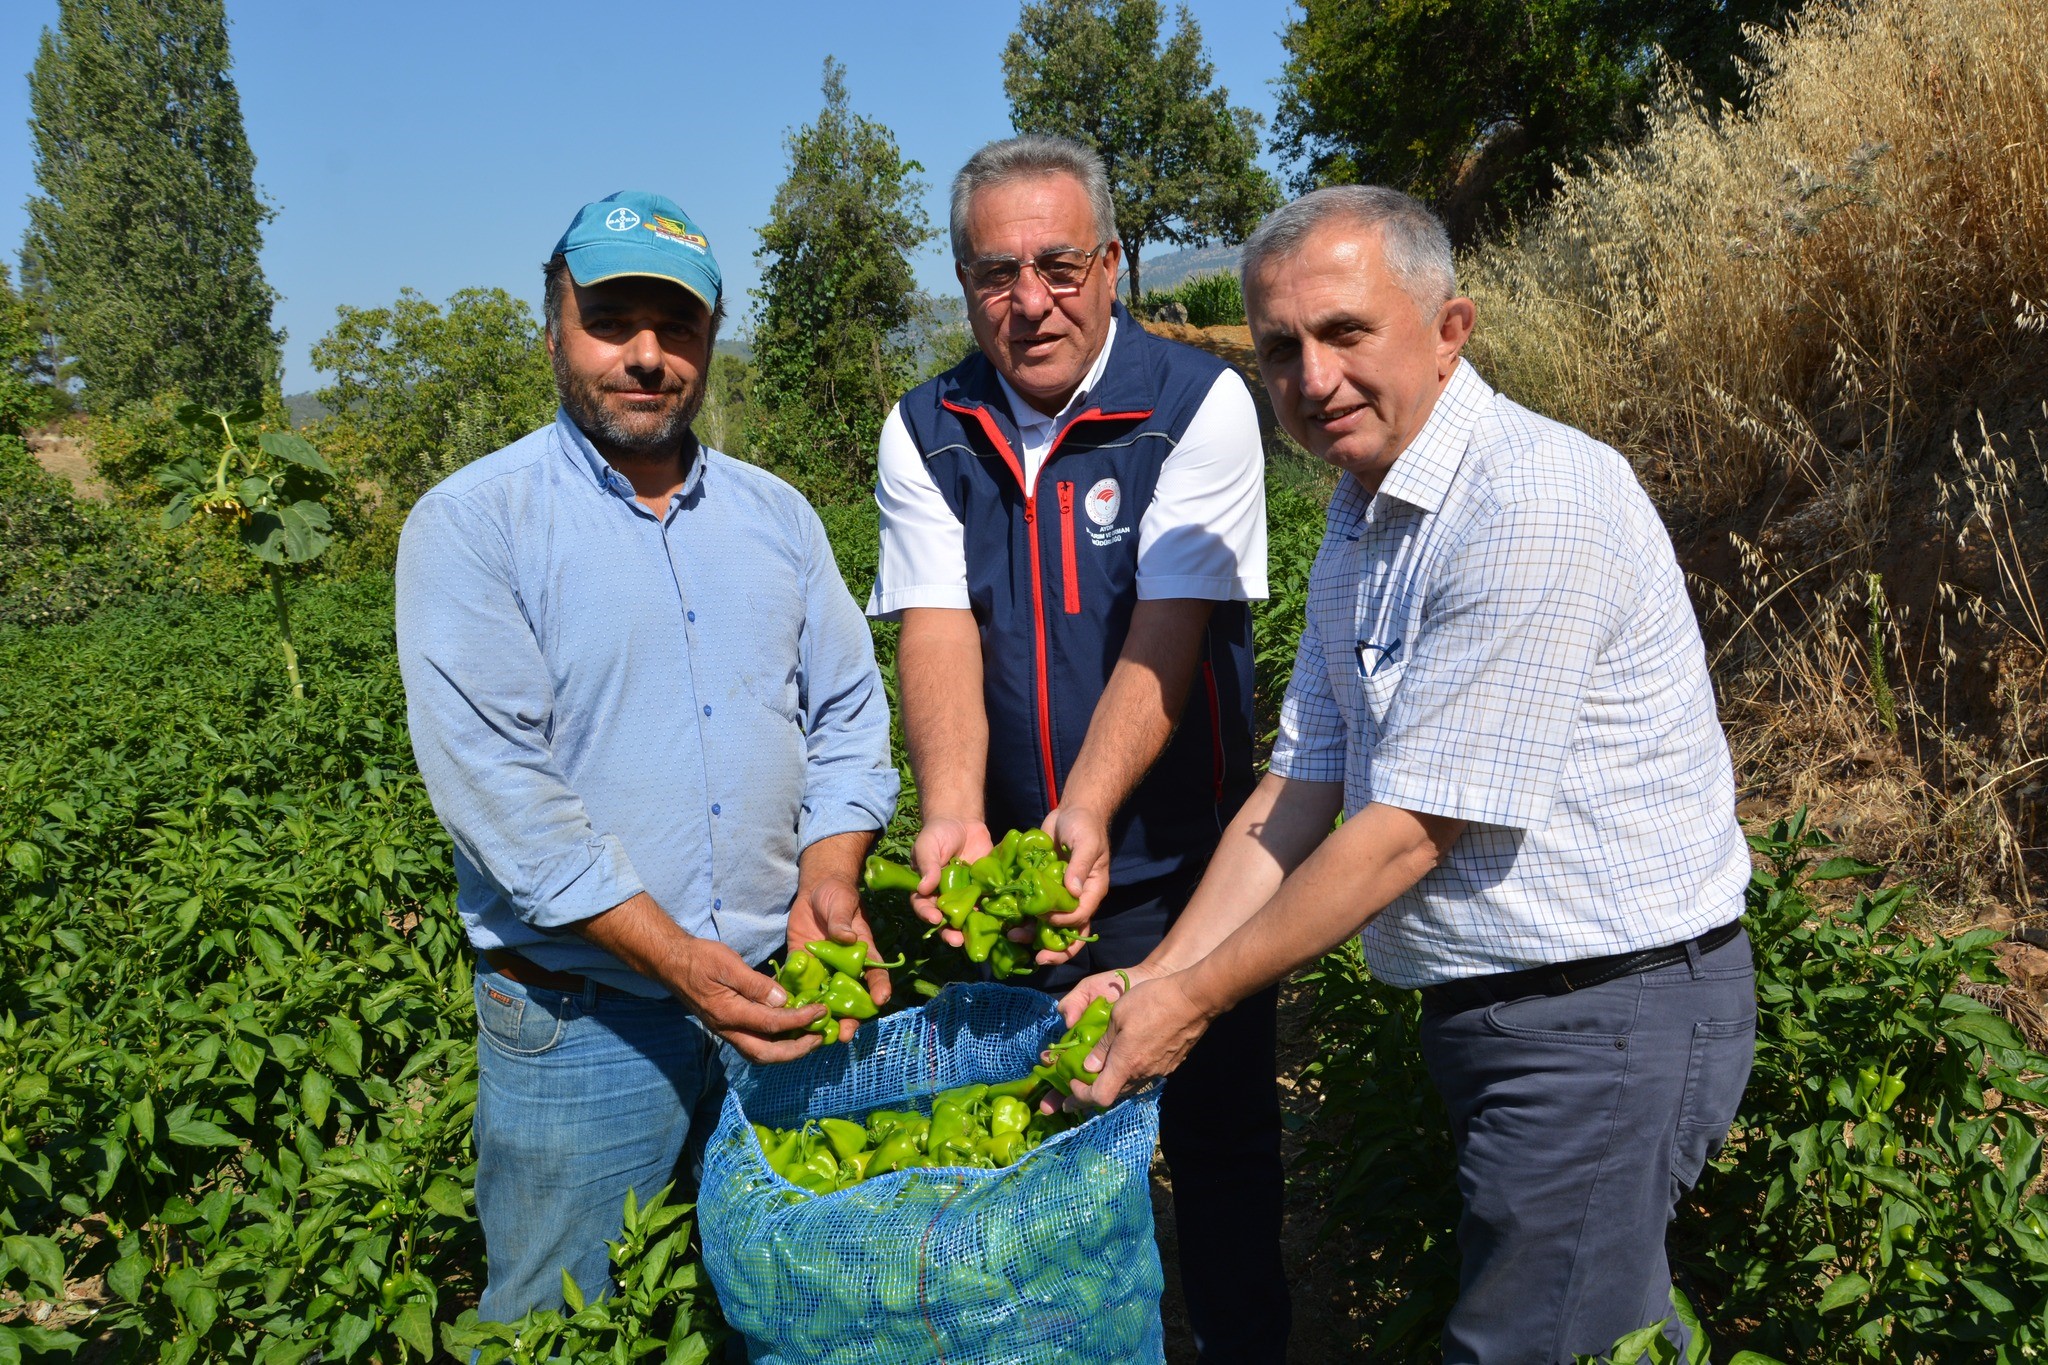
<point x="1033" y="844"/>
<point x="847" y="1139"/>
<point x="1051" y="880"/>
<point x="847" y="998"/>
<point x="987" y="870"/>
<point x="897" y="1152"/>
<point x="1001" y="1149"/>
<point x="818" y="1171"/>
<point x="1008" y="1114"/>
<point x="802" y="975"/>
<point x="1009" y="958"/>
<point x="881" y="874"/>
<point x="1003" y="908"/>
<point x="848" y="959"/>
<point x="1889" y="1089"/>
<point x="982" y="932"/>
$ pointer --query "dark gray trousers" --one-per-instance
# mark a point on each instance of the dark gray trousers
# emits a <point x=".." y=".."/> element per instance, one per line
<point x="1580" y="1120"/>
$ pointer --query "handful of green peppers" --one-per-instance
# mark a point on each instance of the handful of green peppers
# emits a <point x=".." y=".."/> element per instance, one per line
<point x="1021" y="881"/>
<point x="982" y="1126"/>
<point x="828" y="973"/>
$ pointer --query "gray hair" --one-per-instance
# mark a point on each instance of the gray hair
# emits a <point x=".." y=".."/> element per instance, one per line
<point x="1412" y="239"/>
<point x="555" y="283"/>
<point x="1027" y="158"/>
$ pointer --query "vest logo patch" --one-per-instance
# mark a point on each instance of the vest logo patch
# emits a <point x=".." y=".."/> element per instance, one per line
<point x="1105" y="500"/>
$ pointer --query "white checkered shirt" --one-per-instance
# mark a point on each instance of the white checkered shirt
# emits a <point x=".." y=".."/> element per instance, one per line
<point x="1502" y="635"/>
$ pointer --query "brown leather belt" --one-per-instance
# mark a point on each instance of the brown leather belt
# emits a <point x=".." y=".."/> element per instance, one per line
<point x="518" y="967"/>
<point x="1474" y="991"/>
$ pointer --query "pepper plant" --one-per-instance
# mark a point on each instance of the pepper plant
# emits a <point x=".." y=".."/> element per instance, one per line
<point x="268" y="489"/>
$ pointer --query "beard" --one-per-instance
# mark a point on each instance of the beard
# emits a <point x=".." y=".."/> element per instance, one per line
<point x="633" y="435"/>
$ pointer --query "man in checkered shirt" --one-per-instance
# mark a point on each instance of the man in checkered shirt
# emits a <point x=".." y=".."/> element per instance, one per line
<point x="1501" y="687"/>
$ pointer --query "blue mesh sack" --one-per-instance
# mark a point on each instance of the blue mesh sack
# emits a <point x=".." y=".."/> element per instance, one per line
<point x="1051" y="1259"/>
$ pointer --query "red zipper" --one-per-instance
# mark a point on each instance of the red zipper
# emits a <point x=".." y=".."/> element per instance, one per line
<point x="1215" y="726"/>
<point x="995" y="436"/>
<point x="1069" y="571"/>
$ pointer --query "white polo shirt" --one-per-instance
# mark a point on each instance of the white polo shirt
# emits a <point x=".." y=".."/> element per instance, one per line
<point x="1213" y="481"/>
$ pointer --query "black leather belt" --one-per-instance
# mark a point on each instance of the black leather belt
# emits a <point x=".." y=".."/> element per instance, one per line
<point x="523" y="969"/>
<point x="1453" y="997"/>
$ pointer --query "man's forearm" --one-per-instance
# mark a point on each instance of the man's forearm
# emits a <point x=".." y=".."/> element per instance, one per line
<point x="1140" y="705"/>
<point x="1278" y="827"/>
<point x="1356" y="873"/>
<point x="836" y="857"/>
<point x="945" y="721"/>
<point x="639" y="933"/>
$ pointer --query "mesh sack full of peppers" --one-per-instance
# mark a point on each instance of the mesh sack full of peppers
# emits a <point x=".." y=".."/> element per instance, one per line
<point x="904" y="1198"/>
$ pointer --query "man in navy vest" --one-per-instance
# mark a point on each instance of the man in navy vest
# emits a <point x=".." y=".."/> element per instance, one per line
<point x="1073" y="525"/>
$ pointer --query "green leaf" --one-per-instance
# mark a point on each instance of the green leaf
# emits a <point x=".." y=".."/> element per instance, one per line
<point x="306" y="525"/>
<point x="39" y="1257"/>
<point x="191" y="1132"/>
<point x="571" y="1294"/>
<point x="1846" y="1288"/>
<point x="252" y="491"/>
<point x="343" y="1047"/>
<point x="292" y="447"/>
<point x="693" y="1349"/>
<point x="384" y="860"/>
<point x="315" y="1090"/>
<point x="27" y="859"/>
<point x="143" y="1114"/>
<point x="125" y="1277"/>
<point x="192" y="415"/>
<point x="1986" y="1295"/>
<point x="1985" y="1027"/>
<point x="1834" y="869"/>
<point x="414" y="1326"/>
<point x="444" y="1196"/>
<point x="245" y="1057"/>
<point x="263" y="536"/>
<point x="348" y="1336"/>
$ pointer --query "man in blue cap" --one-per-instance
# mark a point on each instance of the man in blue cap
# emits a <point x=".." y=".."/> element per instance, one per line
<point x="648" y="714"/>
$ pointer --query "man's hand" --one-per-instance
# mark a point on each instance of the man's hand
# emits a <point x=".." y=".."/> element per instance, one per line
<point x="1083" y="837"/>
<point x="1155" y="1026"/>
<point x="938" y="843"/>
<point x="830" y="908"/>
<point x="1115" y="984"/>
<point x="738" y="1003"/>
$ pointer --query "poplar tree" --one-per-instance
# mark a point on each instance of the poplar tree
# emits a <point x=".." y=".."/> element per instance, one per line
<point x="148" y="224"/>
<point x="838" y="299"/>
<point x="1180" y="155"/>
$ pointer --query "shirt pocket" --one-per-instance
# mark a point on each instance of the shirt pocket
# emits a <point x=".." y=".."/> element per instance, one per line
<point x="1378" y="689"/>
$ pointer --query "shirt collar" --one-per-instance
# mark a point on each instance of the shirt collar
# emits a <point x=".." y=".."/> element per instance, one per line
<point x="600" y="471"/>
<point x="1028" y="417"/>
<point x="1421" y="475"/>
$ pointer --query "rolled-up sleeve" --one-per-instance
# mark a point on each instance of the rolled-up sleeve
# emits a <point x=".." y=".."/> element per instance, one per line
<point x="480" y="703"/>
<point x="1311" y="744"/>
<point x="1481" y="726"/>
<point x="849" y="782"/>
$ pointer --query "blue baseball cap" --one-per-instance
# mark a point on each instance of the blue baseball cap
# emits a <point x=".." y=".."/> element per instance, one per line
<point x="636" y="233"/>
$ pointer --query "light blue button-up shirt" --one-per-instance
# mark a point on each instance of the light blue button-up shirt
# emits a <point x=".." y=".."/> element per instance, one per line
<point x="604" y="701"/>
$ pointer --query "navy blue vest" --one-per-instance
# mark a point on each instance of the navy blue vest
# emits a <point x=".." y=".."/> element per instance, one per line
<point x="1052" y="577"/>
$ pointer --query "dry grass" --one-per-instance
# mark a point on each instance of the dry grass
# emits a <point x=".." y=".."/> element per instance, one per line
<point x="1818" y="330"/>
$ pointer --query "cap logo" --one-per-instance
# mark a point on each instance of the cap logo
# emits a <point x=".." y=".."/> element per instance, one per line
<point x="622" y="219"/>
<point x="668" y="229"/>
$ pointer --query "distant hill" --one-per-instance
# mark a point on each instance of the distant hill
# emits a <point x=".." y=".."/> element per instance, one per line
<point x="304" y="408"/>
<point x="1164" y="272"/>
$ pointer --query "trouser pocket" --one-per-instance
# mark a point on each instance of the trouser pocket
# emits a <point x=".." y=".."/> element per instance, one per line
<point x="1717" y="1069"/>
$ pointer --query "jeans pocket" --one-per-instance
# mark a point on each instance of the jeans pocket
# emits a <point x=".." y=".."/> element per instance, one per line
<point x="1717" y="1069"/>
<point x="518" y="1023"/>
<point x="1601" y="1016"/>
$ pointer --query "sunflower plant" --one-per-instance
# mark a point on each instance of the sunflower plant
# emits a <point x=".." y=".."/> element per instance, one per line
<point x="268" y="488"/>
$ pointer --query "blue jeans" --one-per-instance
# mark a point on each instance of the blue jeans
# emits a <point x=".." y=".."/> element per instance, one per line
<point x="580" y="1098"/>
<point x="1580" y="1120"/>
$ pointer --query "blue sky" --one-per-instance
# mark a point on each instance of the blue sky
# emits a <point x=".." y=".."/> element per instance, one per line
<point x="439" y="144"/>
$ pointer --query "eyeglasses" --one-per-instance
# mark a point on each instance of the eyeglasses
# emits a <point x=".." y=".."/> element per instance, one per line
<point x="1062" y="272"/>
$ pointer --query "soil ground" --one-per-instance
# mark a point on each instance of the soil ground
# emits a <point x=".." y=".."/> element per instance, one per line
<point x="66" y="457"/>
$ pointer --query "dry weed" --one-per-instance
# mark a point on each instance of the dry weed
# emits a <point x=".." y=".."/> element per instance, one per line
<point x="1816" y="328"/>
